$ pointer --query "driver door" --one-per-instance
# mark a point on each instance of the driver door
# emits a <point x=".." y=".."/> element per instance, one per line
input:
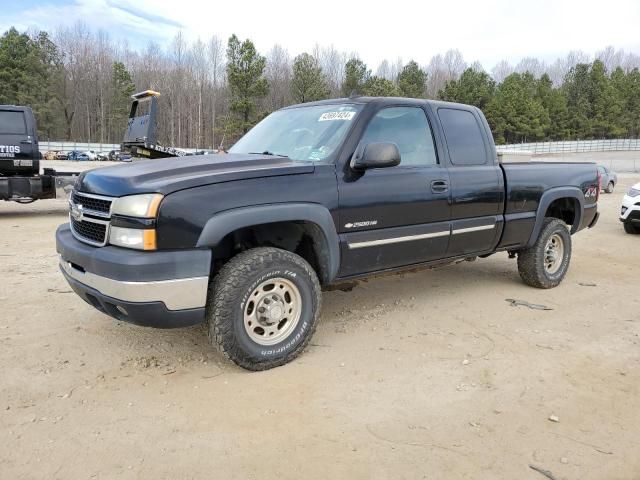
<point x="395" y="216"/>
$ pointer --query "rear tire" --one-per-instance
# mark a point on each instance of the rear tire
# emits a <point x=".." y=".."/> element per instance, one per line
<point x="609" y="188"/>
<point x="545" y="264"/>
<point x="263" y="308"/>
<point x="632" y="229"/>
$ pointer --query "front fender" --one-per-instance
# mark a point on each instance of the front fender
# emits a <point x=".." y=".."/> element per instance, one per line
<point x="222" y="224"/>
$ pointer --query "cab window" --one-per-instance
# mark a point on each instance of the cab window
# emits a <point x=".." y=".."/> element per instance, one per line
<point x="464" y="137"/>
<point x="409" y="129"/>
<point x="12" y="123"/>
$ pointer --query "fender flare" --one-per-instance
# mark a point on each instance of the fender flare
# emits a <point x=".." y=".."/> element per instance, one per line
<point x="547" y="199"/>
<point x="223" y="223"/>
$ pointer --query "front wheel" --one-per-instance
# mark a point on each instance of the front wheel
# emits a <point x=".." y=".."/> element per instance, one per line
<point x="632" y="229"/>
<point x="545" y="264"/>
<point x="610" y="187"/>
<point x="263" y="307"/>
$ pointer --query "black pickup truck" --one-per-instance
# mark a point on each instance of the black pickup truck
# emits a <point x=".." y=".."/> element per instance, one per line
<point x="314" y="195"/>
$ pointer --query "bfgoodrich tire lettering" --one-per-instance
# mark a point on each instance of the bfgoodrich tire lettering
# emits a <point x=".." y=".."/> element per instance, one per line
<point x="229" y="298"/>
<point x="535" y="264"/>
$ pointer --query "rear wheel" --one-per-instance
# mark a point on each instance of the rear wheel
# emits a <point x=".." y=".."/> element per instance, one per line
<point x="545" y="264"/>
<point x="609" y="188"/>
<point x="263" y="307"/>
<point x="632" y="229"/>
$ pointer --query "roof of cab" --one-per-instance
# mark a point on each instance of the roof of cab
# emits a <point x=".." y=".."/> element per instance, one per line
<point x="382" y="101"/>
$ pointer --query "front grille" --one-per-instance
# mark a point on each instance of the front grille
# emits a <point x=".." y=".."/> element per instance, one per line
<point x="89" y="217"/>
<point x="88" y="230"/>
<point x="92" y="202"/>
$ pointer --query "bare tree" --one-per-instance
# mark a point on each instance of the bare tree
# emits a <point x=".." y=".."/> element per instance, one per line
<point x="501" y="71"/>
<point x="278" y="74"/>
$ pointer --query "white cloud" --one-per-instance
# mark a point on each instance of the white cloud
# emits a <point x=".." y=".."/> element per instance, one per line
<point x="488" y="30"/>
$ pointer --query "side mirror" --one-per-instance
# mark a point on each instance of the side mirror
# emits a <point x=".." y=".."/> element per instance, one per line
<point x="377" y="155"/>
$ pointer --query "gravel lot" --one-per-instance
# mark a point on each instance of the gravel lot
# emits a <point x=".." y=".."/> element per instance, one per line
<point x="428" y="374"/>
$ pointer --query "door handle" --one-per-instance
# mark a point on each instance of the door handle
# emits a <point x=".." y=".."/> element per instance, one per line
<point x="439" y="186"/>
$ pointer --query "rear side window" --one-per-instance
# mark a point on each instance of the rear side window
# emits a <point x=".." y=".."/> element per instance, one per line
<point x="464" y="137"/>
<point x="12" y="123"/>
<point x="409" y="129"/>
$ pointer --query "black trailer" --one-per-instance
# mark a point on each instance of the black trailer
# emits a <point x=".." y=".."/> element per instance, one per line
<point x="20" y="177"/>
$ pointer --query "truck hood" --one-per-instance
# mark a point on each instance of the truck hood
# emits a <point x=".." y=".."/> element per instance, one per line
<point x="167" y="175"/>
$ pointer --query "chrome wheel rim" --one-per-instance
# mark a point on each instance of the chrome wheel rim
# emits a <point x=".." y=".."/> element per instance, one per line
<point x="553" y="253"/>
<point x="272" y="311"/>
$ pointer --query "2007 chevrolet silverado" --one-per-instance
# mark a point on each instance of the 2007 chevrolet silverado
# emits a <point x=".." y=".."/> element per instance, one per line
<point x="315" y="194"/>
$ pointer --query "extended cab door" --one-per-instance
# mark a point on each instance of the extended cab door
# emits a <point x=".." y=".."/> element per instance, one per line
<point x="394" y="216"/>
<point x="477" y="183"/>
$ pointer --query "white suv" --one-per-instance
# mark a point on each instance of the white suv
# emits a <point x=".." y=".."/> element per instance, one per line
<point x="630" y="211"/>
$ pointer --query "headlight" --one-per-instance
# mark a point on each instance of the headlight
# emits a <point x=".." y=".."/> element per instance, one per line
<point x="633" y="192"/>
<point x="145" y="205"/>
<point x="133" y="221"/>
<point x="141" y="239"/>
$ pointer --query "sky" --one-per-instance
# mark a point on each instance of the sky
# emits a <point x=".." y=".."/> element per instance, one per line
<point x="483" y="30"/>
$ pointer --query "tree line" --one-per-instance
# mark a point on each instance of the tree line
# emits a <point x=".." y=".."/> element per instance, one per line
<point x="79" y="84"/>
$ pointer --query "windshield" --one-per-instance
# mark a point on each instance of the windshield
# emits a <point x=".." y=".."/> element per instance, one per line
<point x="303" y="133"/>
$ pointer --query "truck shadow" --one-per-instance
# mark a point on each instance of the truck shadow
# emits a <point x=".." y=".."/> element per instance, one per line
<point x="368" y="299"/>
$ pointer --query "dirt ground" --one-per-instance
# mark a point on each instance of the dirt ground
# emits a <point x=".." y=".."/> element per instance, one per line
<point x="428" y="374"/>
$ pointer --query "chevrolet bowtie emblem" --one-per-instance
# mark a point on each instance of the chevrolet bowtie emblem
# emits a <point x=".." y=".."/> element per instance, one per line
<point x="76" y="212"/>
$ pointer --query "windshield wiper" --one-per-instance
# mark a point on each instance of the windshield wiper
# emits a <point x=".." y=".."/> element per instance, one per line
<point x="267" y="152"/>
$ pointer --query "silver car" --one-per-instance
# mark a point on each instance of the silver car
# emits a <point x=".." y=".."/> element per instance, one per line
<point x="609" y="178"/>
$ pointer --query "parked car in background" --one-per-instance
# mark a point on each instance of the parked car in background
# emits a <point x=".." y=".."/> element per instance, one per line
<point x="609" y="178"/>
<point x="91" y="154"/>
<point x="102" y="156"/>
<point x="123" y="157"/>
<point x="50" y="155"/>
<point x="630" y="210"/>
<point x="78" y="156"/>
<point x="62" y="155"/>
<point x="112" y="155"/>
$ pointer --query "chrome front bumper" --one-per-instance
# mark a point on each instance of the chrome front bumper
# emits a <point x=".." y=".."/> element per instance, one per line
<point x="177" y="294"/>
<point x="164" y="289"/>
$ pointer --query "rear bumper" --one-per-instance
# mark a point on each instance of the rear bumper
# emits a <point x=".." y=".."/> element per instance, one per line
<point x="157" y="289"/>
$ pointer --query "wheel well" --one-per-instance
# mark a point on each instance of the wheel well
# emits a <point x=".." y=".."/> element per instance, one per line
<point x="300" y="237"/>
<point x="563" y="208"/>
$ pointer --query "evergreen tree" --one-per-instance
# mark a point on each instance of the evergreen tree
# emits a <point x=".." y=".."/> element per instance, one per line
<point x="379" y="87"/>
<point x="631" y="107"/>
<point x="555" y="103"/>
<point x="606" y="108"/>
<point x="122" y="87"/>
<point x="31" y="76"/>
<point x="245" y="69"/>
<point x="356" y="76"/>
<point x="412" y="81"/>
<point x="576" y="90"/>
<point x="309" y="82"/>
<point x="473" y="87"/>
<point x="514" y="113"/>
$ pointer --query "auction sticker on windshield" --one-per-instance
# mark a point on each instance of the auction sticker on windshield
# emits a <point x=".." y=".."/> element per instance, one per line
<point x="336" y="116"/>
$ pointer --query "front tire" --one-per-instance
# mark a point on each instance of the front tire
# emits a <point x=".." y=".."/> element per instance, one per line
<point x="609" y="188"/>
<point x="263" y="308"/>
<point x="545" y="264"/>
<point x="632" y="229"/>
